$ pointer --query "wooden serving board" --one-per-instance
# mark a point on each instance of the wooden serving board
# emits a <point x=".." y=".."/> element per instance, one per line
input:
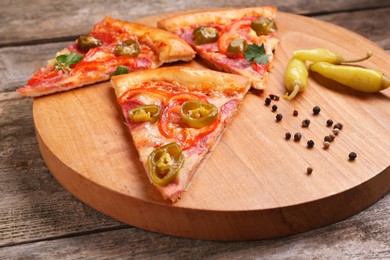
<point x="253" y="184"/>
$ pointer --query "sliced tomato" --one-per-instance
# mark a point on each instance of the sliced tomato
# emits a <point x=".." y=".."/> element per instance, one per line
<point x="260" y="68"/>
<point x="171" y="124"/>
<point x="40" y="77"/>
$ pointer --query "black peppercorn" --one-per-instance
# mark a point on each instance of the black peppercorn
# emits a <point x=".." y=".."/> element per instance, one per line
<point x="328" y="139"/>
<point x="295" y="113"/>
<point x="338" y="126"/>
<point x="271" y="96"/>
<point x="352" y="156"/>
<point x="276" y="98"/>
<point x="267" y="101"/>
<point x="297" y="137"/>
<point x="329" y="122"/>
<point x="287" y="136"/>
<point x="279" y="117"/>
<point x="305" y="123"/>
<point x="274" y="107"/>
<point x="309" y="170"/>
<point x="310" y="144"/>
<point x="332" y="137"/>
<point x="316" y="110"/>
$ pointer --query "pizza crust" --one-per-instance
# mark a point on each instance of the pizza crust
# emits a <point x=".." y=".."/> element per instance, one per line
<point x="194" y="79"/>
<point x="168" y="47"/>
<point x="216" y="16"/>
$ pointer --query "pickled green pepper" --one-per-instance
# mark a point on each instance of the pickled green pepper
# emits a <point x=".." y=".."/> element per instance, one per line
<point x="198" y="114"/>
<point x="165" y="163"/>
<point x="361" y="79"/>
<point x="321" y="54"/>
<point x="295" y="77"/>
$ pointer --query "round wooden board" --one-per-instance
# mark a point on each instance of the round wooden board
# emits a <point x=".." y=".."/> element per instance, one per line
<point x="253" y="184"/>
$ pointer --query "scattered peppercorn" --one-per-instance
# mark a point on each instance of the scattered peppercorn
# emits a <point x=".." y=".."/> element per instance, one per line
<point x="287" y="136"/>
<point x="329" y="122"/>
<point x="332" y="137"/>
<point x="310" y="144"/>
<point x="352" y="156"/>
<point x="309" y="170"/>
<point x="328" y="139"/>
<point x="316" y="110"/>
<point x="326" y="144"/>
<point x="297" y="137"/>
<point x="305" y="123"/>
<point x="338" y="126"/>
<point x="271" y="96"/>
<point x="267" y="101"/>
<point x="336" y="131"/>
<point x="295" y="113"/>
<point x="279" y="117"/>
<point x="276" y="98"/>
<point x="274" y="107"/>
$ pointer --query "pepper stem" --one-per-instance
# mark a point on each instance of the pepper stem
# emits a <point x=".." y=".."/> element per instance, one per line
<point x="293" y="93"/>
<point x="368" y="55"/>
<point x="385" y="82"/>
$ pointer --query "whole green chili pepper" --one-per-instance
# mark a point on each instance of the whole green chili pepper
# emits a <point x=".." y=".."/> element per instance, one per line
<point x="365" y="80"/>
<point x="295" y="77"/>
<point x="321" y="54"/>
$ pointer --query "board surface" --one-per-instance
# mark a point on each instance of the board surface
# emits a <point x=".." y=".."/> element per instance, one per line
<point x="254" y="183"/>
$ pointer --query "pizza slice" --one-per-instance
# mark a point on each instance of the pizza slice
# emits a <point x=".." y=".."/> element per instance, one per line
<point x="112" y="47"/>
<point x="240" y="41"/>
<point x="175" y="116"/>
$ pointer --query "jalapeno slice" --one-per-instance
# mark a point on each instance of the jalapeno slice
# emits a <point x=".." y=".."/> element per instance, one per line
<point x="263" y="26"/>
<point x="237" y="46"/>
<point x="128" y="48"/>
<point x="86" y="42"/>
<point x="203" y="35"/>
<point x="198" y="114"/>
<point x="146" y="113"/>
<point x="165" y="163"/>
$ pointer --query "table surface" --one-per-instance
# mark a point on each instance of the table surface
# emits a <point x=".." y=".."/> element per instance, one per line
<point x="39" y="219"/>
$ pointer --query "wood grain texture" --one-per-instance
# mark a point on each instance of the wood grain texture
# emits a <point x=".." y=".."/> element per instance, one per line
<point x="38" y="21"/>
<point x="363" y="236"/>
<point x="79" y="130"/>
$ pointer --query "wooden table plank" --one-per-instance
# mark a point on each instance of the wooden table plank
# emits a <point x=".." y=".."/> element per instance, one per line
<point x="48" y="20"/>
<point x="349" y="239"/>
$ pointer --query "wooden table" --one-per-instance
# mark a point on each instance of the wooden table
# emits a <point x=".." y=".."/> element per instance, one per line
<point x="39" y="219"/>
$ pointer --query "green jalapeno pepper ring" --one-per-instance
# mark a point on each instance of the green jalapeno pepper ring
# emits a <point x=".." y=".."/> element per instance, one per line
<point x="203" y="35"/>
<point x="237" y="46"/>
<point x="128" y="48"/>
<point x="86" y="42"/>
<point x="165" y="163"/>
<point x="146" y="113"/>
<point x="263" y="26"/>
<point x="198" y="114"/>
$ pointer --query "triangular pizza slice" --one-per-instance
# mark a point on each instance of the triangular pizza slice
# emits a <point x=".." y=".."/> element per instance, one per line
<point x="112" y="47"/>
<point x="175" y="115"/>
<point x="240" y="41"/>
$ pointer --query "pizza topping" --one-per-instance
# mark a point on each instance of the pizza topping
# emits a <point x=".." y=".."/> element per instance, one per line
<point x="256" y="53"/>
<point x="165" y="163"/>
<point x="198" y="114"/>
<point x="146" y="113"/>
<point x="128" y="48"/>
<point x="86" y="42"/>
<point x="205" y="34"/>
<point x="66" y="60"/>
<point x="120" y="70"/>
<point x="237" y="46"/>
<point x="263" y="26"/>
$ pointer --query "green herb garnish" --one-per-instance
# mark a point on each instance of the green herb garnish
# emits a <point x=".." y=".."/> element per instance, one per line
<point x="256" y="53"/>
<point x="120" y="70"/>
<point x="65" y="60"/>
